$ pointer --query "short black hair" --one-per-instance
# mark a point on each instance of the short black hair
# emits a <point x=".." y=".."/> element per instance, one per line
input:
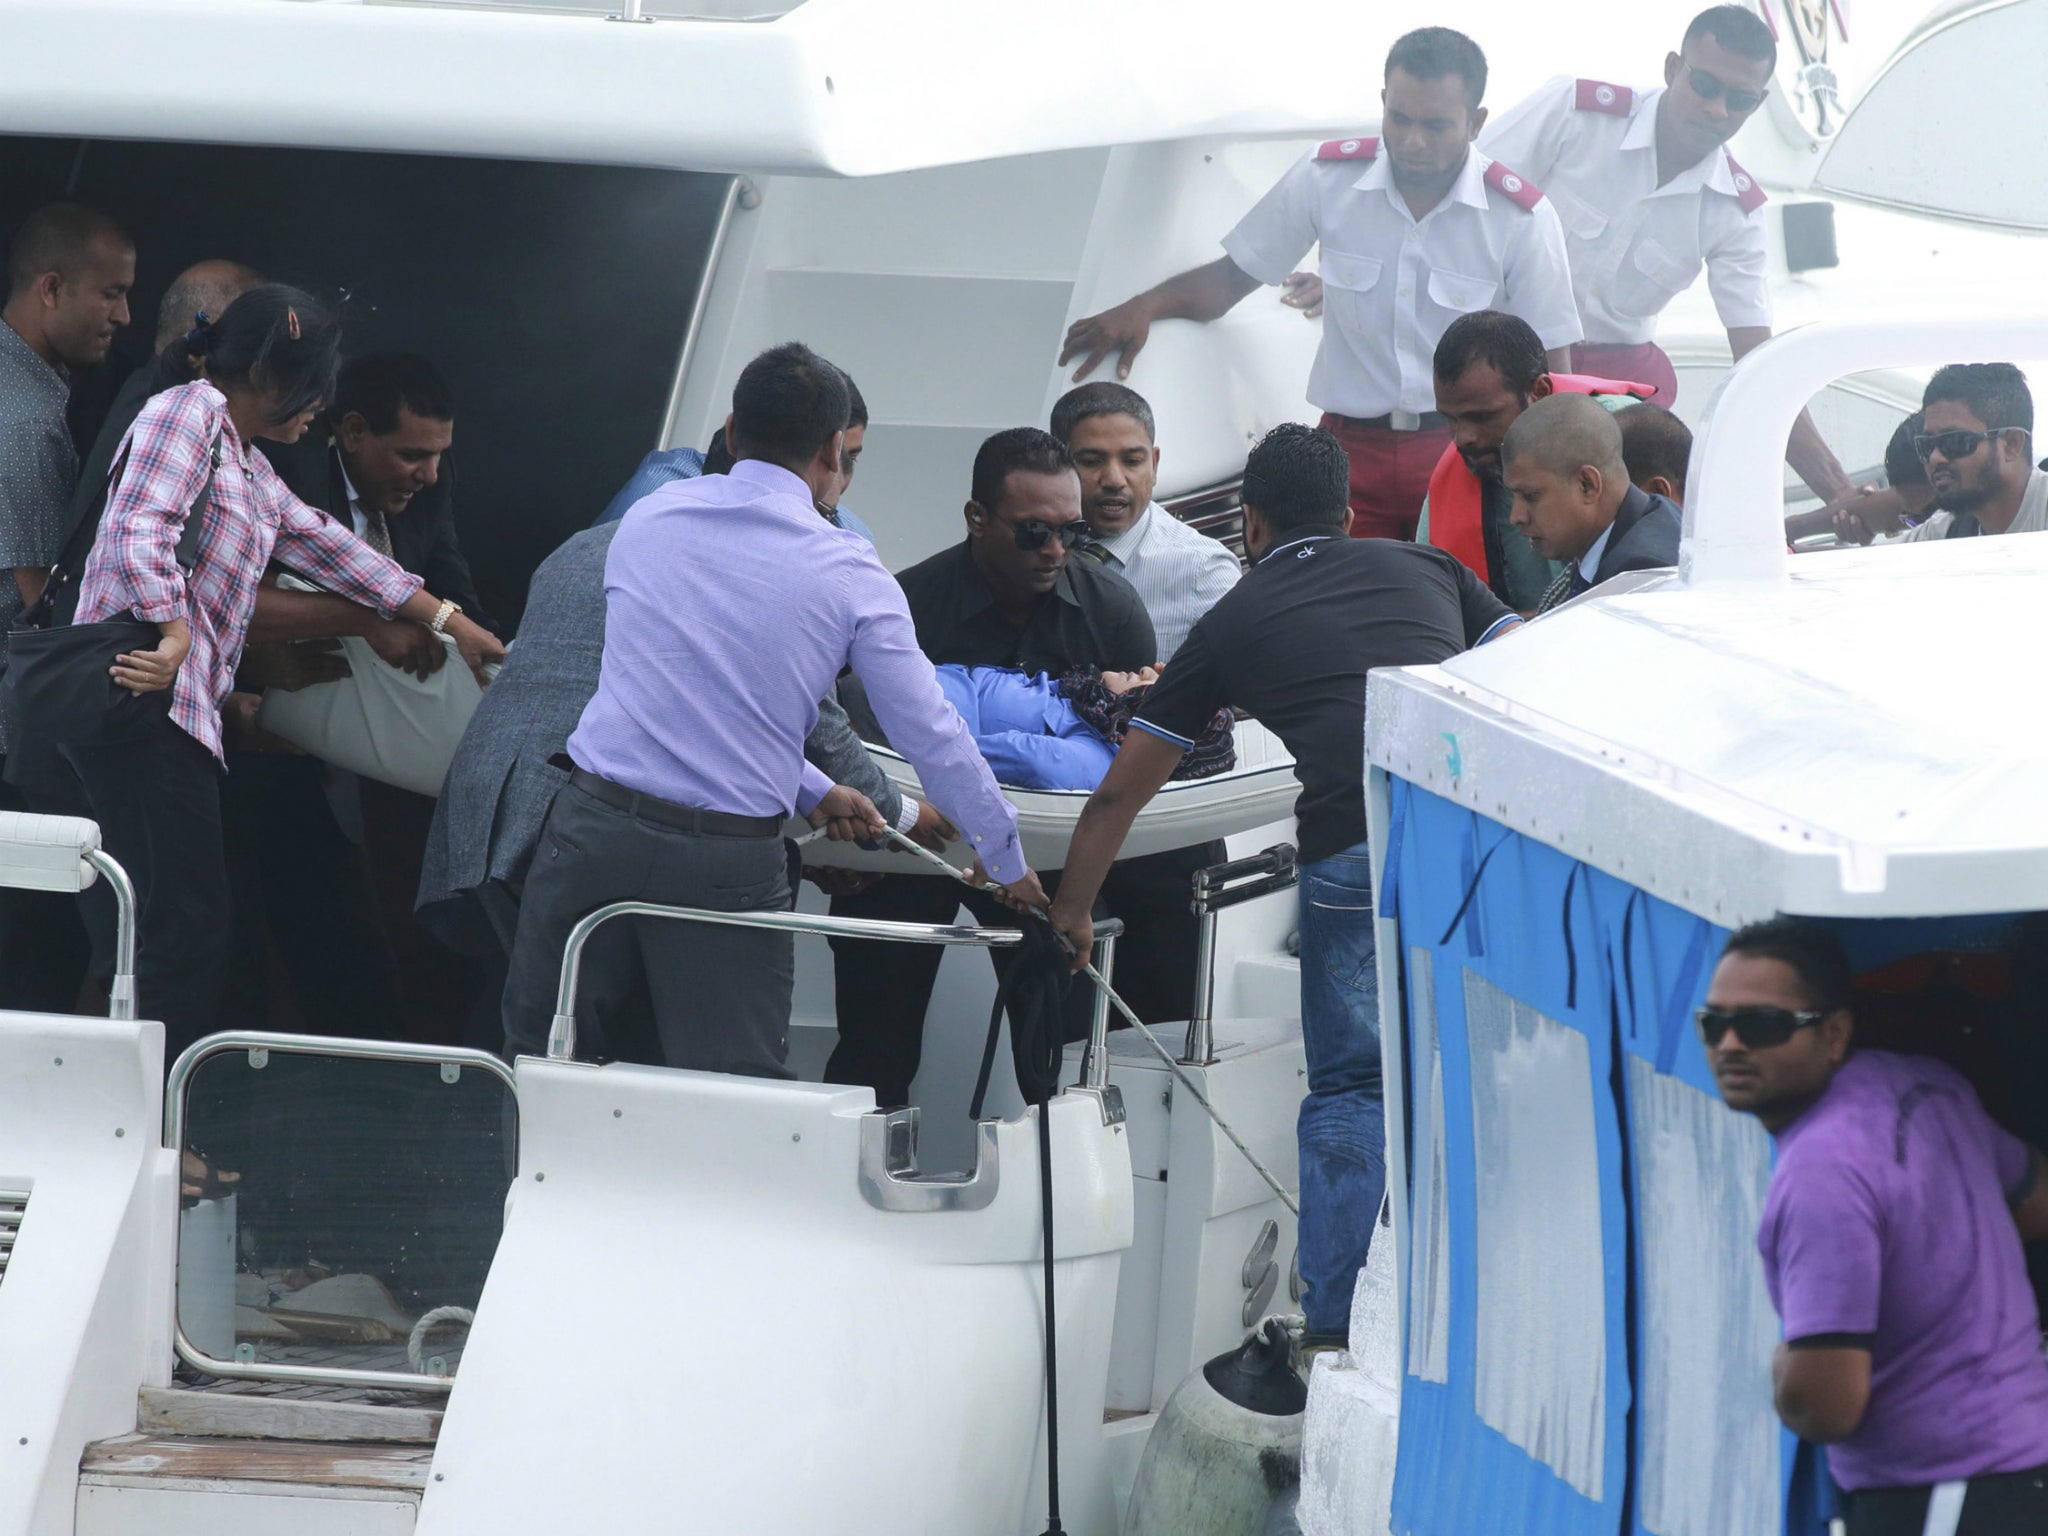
<point x="274" y="338"/>
<point x="1996" y="393"/>
<point x="1814" y="952"/>
<point x="1101" y="398"/>
<point x="1015" y="450"/>
<point x="1902" y="465"/>
<point x="1654" y="442"/>
<point x="1507" y="342"/>
<point x="1430" y="53"/>
<point x="379" y="386"/>
<point x="1298" y="477"/>
<point x="856" y="403"/>
<point x="788" y="403"/>
<point x="55" y="238"/>
<point x="1737" y="28"/>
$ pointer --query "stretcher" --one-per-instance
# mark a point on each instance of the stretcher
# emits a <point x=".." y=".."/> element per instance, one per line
<point x="1260" y="790"/>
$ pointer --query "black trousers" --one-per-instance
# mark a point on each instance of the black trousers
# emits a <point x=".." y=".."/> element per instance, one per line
<point x="881" y="991"/>
<point x="44" y="953"/>
<point x="302" y="887"/>
<point x="721" y="996"/>
<point x="157" y="800"/>
<point x="1999" y="1504"/>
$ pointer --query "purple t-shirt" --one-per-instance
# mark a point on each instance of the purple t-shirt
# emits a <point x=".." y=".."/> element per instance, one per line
<point x="1890" y="1217"/>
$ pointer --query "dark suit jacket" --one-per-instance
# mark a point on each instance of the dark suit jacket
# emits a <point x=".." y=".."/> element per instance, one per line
<point x="1645" y="536"/>
<point x="422" y="536"/>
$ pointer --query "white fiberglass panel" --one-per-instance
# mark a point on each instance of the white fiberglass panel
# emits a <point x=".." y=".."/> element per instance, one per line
<point x="1429" y="1258"/>
<point x="1708" y="1438"/>
<point x="1542" y="1336"/>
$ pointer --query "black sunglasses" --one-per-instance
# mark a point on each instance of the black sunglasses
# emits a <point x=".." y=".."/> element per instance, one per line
<point x="1033" y="534"/>
<point x="1757" y="1028"/>
<point x="1958" y="443"/>
<point x="1709" y="87"/>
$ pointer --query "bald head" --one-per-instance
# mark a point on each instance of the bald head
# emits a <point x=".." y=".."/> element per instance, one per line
<point x="1562" y="461"/>
<point x="210" y="286"/>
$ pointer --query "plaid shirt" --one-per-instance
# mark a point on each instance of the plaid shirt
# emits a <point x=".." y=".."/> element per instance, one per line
<point x="249" y="514"/>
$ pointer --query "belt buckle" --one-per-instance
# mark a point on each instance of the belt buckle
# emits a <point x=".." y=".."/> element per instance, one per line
<point x="1404" y="421"/>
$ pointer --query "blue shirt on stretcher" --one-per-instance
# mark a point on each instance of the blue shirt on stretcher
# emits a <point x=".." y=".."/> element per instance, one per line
<point x="1038" y="731"/>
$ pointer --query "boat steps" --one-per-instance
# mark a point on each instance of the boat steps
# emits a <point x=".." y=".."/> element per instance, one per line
<point x="212" y="1463"/>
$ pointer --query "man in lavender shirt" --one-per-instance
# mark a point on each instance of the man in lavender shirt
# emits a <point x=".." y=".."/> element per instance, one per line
<point x="690" y="756"/>
<point x="1891" y="1243"/>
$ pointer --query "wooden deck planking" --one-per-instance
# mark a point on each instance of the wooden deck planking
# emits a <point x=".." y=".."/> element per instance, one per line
<point x="219" y="1458"/>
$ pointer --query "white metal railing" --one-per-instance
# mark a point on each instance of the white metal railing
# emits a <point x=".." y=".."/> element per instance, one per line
<point x="62" y="854"/>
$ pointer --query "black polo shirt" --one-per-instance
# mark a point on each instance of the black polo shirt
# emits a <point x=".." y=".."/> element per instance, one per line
<point x="1291" y="644"/>
<point x="1092" y="617"/>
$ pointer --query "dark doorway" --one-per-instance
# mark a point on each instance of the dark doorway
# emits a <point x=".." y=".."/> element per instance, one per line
<point x="555" y="297"/>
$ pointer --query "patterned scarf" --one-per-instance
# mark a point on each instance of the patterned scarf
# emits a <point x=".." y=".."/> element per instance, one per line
<point x="1110" y="713"/>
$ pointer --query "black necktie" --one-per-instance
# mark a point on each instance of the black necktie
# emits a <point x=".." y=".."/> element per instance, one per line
<point x="1567" y="586"/>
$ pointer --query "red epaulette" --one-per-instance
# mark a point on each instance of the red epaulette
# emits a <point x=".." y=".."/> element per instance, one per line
<point x="1747" y="192"/>
<point x="1599" y="96"/>
<point x="1523" y="194"/>
<point x="1348" y="149"/>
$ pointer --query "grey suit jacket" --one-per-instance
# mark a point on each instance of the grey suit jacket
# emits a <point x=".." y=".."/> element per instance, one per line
<point x="495" y="800"/>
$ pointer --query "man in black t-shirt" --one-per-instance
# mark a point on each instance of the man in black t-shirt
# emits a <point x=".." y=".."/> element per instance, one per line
<point x="1008" y="595"/>
<point x="1291" y="644"/>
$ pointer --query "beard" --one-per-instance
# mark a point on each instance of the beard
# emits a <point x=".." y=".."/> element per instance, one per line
<point x="1963" y="497"/>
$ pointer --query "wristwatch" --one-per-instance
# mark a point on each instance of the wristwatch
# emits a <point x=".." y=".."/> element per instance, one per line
<point x="446" y="611"/>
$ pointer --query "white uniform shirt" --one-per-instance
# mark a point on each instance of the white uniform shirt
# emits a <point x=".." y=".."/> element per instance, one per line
<point x="2032" y="516"/>
<point x="1179" y="572"/>
<point x="1635" y="246"/>
<point x="1392" y="284"/>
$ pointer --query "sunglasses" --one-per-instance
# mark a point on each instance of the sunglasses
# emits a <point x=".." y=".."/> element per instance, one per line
<point x="1956" y="444"/>
<point x="1710" y="87"/>
<point x="1033" y="534"/>
<point x="1757" y="1028"/>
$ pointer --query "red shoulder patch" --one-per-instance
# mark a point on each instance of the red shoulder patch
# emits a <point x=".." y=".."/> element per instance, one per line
<point x="1599" y="96"/>
<point x="1747" y="192"/>
<point x="1349" y="149"/>
<point x="1523" y="194"/>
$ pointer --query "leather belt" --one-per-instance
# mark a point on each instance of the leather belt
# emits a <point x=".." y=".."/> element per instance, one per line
<point x="1394" y="421"/>
<point x="666" y="813"/>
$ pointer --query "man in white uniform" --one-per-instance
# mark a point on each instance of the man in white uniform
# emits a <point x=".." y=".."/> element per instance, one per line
<point x="1648" y="194"/>
<point x="1417" y="228"/>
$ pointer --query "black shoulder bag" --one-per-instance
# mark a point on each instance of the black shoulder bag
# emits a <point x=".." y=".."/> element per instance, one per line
<point x="58" y="688"/>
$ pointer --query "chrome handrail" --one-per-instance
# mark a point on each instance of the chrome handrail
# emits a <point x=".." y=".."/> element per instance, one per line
<point x="175" y="1087"/>
<point x="562" y="1033"/>
<point x="121" y="990"/>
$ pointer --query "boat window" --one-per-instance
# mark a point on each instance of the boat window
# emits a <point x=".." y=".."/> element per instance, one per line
<point x="1542" y="1335"/>
<point x="1984" y="165"/>
<point x="1708" y="1454"/>
<point x="554" y="297"/>
<point x="348" y="1208"/>
<point x="1429" y="1262"/>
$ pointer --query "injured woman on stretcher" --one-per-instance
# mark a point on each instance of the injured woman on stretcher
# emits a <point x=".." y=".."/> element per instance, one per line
<point x="1042" y="732"/>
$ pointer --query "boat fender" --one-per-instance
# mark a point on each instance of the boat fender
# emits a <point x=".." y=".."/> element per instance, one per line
<point x="1227" y="1446"/>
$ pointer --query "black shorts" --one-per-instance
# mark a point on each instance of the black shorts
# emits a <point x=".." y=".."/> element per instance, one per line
<point x="1998" y="1504"/>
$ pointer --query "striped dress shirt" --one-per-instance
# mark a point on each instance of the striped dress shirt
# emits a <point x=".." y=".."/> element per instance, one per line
<point x="1179" y="572"/>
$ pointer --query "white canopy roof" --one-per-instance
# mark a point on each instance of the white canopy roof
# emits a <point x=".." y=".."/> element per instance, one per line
<point x="850" y="87"/>
<point x="1856" y="732"/>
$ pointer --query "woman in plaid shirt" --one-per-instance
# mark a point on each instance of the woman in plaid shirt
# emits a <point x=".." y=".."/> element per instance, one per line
<point x="264" y="369"/>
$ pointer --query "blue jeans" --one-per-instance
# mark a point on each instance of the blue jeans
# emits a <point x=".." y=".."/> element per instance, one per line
<point x="1342" y="1130"/>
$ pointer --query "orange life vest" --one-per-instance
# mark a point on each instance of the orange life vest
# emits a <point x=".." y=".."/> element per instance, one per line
<point x="1455" y="522"/>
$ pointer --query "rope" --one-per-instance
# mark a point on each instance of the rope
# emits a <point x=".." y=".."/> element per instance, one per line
<point x="415" y="1346"/>
<point x="1172" y="1065"/>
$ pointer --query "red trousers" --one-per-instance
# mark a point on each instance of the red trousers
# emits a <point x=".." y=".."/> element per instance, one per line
<point x="1389" y="475"/>
<point x="1641" y="364"/>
